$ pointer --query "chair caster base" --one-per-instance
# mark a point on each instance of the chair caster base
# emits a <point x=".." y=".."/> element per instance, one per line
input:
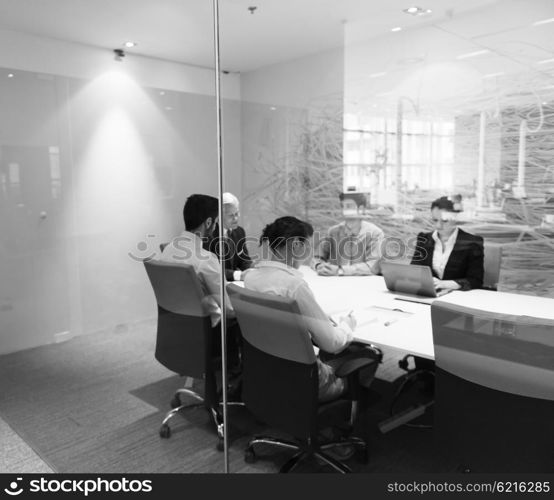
<point x="175" y="401"/>
<point x="165" y="431"/>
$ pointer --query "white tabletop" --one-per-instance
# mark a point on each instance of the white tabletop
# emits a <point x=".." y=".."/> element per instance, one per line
<point x="411" y="330"/>
<point x="376" y="310"/>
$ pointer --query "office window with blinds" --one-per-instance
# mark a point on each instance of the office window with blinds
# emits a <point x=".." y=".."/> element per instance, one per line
<point x="376" y="161"/>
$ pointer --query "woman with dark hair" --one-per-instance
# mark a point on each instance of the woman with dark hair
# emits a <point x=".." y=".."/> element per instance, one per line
<point x="454" y="256"/>
<point x="288" y="239"/>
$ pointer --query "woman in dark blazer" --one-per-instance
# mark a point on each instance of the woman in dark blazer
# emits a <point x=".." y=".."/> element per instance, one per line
<point x="454" y="256"/>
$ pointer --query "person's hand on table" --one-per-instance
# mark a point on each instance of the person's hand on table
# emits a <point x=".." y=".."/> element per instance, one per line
<point x="244" y="273"/>
<point x="445" y="284"/>
<point x="326" y="269"/>
<point x="350" y="320"/>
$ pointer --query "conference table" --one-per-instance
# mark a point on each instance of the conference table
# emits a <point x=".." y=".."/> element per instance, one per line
<point x="394" y="324"/>
<point x="384" y="319"/>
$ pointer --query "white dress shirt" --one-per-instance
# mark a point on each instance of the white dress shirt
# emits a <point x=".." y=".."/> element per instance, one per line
<point x="441" y="253"/>
<point x="187" y="249"/>
<point x="280" y="279"/>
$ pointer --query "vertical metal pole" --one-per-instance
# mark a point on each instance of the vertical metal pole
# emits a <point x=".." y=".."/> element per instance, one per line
<point x="521" y="155"/>
<point x="398" y="173"/>
<point x="481" y="164"/>
<point x="222" y="261"/>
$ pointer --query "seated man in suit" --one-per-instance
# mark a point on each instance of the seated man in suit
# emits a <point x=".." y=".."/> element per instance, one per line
<point x="233" y="248"/>
<point x="200" y="216"/>
<point x="454" y="256"/>
<point x="353" y="247"/>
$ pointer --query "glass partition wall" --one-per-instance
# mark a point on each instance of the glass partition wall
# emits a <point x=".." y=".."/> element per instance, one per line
<point x="98" y="153"/>
<point x="460" y="103"/>
<point x="402" y="105"/>
<point x="393" y="105"/>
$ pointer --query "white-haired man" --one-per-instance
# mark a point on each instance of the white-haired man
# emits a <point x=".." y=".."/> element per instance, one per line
<point x="233" y="248"/>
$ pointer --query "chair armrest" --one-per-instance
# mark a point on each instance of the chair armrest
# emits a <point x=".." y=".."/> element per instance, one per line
<point x="378" y="353"/>
<point x="353" y="365"/>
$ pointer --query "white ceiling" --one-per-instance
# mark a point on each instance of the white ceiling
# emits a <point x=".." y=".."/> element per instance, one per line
<point x="182" y="30"/>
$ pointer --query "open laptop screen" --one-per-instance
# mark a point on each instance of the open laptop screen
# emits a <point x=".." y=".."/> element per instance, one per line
<point x="407" y="278"/>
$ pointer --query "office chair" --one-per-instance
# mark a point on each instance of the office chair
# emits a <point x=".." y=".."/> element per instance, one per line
<point x="494" y="396"/>
<point x="280" y="379"/>
<point x="492" y="264"/>
<point x="184" y="338"/>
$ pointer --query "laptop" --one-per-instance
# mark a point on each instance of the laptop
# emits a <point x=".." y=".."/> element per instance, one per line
<point x="410" y="282"/>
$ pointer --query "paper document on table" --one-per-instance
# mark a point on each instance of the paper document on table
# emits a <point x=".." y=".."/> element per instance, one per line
<point x="374" y="314"/>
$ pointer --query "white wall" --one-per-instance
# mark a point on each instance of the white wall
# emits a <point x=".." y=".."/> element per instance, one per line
<point x="46" y="55"/>
<point x="296" y="84"/>
<point x="96" y="160"/>
<point x="280" y="103"/>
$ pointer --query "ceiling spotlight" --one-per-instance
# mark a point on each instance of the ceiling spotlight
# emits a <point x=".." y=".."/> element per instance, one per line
<point x="130" y="44"/>
<point x="396" y="28"/>
<point x="10" y="75"/>
<point x="417" y="11"/>
<point x="473" y="54"/>
<point x="493" y="75"/>
<point x="252" y="9"/>
<point x="119" y="54"/>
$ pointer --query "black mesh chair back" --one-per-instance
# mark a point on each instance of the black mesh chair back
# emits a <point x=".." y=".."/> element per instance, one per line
<point x="184" y="336"/>
<point x="494" y="391"/>
<point x="280" y="375"/>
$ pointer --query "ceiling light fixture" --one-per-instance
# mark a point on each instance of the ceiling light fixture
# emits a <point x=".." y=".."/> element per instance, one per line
<point x="396" y="28"/>
<point x="544" y="21"/>
<point x="377" y="75"/>
<point x="492" y="75"/>
<point x="10" y="75"/>
<point x="417" y="11"/>
<point x="546" y="61"/>
<point x="473" y="54"/>
<point x="130" y="44"/>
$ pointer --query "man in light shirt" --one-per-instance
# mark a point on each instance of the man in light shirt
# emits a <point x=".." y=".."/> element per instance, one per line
<point x="353" y="247"/>
<point x="288" y="239"/>
<point x="200" y="215"/>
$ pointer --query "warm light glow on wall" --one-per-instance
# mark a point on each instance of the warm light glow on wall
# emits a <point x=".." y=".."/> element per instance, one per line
<point x="116" y="190"/>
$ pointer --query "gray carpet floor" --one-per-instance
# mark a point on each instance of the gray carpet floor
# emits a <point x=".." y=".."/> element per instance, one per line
<point x="95" y="403"/>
